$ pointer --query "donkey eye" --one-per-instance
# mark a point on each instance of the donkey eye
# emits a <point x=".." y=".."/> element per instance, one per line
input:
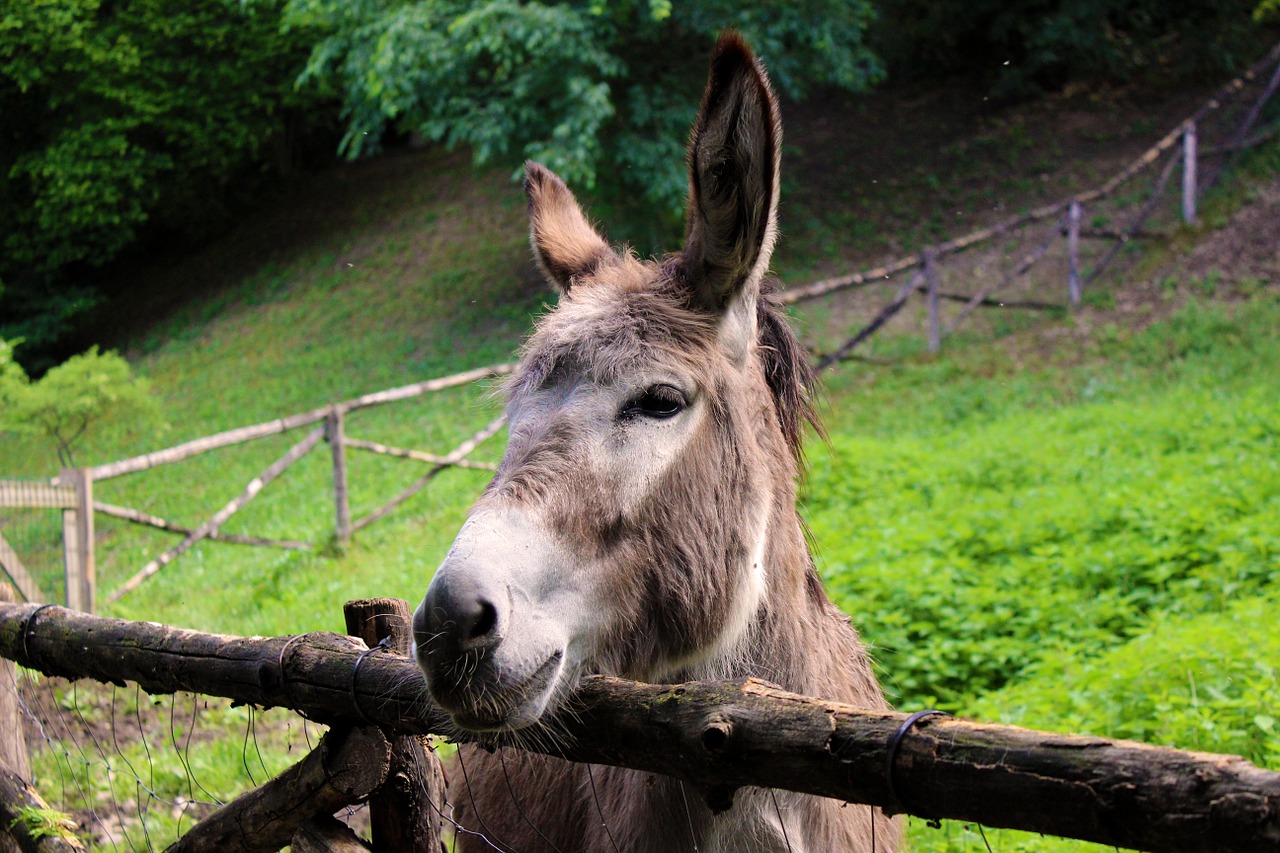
<point x="658" y="402"/>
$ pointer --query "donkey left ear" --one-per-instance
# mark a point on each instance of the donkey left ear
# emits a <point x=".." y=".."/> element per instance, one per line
<point x="564" y="243"/>
<point x="734" y="162"/>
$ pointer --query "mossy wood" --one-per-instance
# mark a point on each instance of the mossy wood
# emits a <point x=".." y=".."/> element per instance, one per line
<point x="18" y="803"/>
<point x="718" y="736"/>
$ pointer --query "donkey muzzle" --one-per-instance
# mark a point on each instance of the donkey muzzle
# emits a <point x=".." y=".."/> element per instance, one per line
<point x="492" y="653"/>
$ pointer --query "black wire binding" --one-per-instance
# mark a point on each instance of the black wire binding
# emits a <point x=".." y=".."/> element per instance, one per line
<point x="384" y="643"/>
<point x="26" y="628"/>
<point x="895" y="805"/>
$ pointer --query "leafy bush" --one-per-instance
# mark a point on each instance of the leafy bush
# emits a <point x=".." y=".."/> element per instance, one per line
<point x="1204" y="682"/>
<point x="602" y="93"/>
<point x="124" y="117"/>
<point x="968" y="555"/>
<point x="1048" y="44"/>
<point x="73" y="398"/>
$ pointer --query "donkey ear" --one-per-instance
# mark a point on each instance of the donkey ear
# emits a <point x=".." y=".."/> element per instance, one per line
<point x="734" y="160"/>
<point x="564" y="243"/>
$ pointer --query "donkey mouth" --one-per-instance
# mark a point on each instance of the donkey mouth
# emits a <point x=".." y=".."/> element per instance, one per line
<point x="499" y="707"/>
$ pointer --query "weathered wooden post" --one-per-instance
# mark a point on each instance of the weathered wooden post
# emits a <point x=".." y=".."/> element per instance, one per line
<point x="930" y="257"/>
<point x="13" y="746"/>
<point x="1074" y="283"/>
<point x="77" y="541"/>
<point x="405" y="812"/>
<point x="1189" y="173"/>
<point x="334" y="433"/>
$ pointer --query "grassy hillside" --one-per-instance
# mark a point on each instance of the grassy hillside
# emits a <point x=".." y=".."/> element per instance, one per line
<point x="1070" y="524"/>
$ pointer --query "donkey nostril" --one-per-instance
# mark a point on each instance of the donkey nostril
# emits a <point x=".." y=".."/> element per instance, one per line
<point x="485" y="622"/>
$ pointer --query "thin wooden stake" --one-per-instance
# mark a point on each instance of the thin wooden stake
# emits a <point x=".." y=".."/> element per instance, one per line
<point x="333" y="433"/>
<point x="219" y="518"/>
<point x="125" y="513"/>
<point x="418" y="485"/>
<point x="1074" y="284"/>
<point x="71" y="560"/>
<point x="1189" y="173"/>
<point x="13" y="746"/>
<point x="931" y="282"/>
<point x="12" y="566"/>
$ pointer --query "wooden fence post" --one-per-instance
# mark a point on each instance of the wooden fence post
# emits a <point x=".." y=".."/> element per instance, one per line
<point x="335" y="434"/>
<point x="405" y="813"/>
<point x="1189" y="173"/>
<point x="1074" y="283"/>
<point x="77" y="541"/>
<point x="13" y="746"/>
<point x="931" y="283"/>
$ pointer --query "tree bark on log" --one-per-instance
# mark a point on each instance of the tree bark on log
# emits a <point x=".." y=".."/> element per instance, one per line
<point x="343" y="769"/>
<point x="15" y="795"/>
<point x="327" y="835"/>
<point x="719" y="736"/>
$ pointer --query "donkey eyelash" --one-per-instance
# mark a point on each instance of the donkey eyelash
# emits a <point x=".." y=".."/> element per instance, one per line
<point x="658" y="402"/>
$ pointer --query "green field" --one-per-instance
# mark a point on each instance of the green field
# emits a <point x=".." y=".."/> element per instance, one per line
<point x="1085" y="544"/>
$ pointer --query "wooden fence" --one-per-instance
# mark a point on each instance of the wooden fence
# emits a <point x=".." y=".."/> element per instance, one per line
<point x="717" y="736"/>
<point x="72" y="494"/>
<point x="72" y="490"/>
<point x="1181" y="146"/>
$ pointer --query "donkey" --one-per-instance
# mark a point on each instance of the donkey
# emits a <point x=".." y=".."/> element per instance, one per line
<point x="642" y="522"/>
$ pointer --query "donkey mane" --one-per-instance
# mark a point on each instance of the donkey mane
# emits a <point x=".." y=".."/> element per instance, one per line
<point x="787" y="370"/>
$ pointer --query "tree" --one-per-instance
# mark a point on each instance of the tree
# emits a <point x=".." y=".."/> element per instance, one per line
<point x="83" y="393"/>
<point x="603" y="93"/>
<point x="123" y="119"/>
<point x="1045" y="44"/>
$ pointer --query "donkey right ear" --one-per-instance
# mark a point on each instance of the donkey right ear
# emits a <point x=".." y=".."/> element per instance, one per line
<point x="565" y="245"/>
<point x="734" y="159"/>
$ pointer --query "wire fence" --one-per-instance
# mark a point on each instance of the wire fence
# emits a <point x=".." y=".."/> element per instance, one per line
<point x="139" y="766"/>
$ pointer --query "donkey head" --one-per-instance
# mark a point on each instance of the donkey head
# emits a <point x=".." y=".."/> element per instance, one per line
<point x="627" y="529"/>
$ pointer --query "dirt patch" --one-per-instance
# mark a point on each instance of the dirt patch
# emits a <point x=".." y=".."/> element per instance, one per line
<point x="1246" y="253"/>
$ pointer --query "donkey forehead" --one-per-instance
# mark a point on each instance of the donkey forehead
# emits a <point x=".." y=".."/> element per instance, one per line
<point x="618" y="331"/>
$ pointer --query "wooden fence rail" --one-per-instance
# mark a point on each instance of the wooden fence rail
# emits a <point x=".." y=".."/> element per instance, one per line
<point x="718" y="736"/>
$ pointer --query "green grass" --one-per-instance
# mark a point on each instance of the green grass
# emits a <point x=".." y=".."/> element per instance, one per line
<point x="1079" y="549"/>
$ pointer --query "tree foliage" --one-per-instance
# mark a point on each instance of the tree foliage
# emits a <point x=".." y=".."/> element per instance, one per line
<point x="72" y="399"/>
<point x="124" y="118"/>
<point x="601" y="92"/>
<point x="1048" y="43"/>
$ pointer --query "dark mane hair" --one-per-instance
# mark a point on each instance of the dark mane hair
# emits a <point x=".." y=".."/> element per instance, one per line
<point x="787" y="370"/>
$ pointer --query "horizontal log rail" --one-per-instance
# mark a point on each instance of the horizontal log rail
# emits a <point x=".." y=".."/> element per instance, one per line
<point x="416" y="455"/>
<point x="718" y="736"/>
<point x="145" y="519"/>
<point x="279" y="425"/>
